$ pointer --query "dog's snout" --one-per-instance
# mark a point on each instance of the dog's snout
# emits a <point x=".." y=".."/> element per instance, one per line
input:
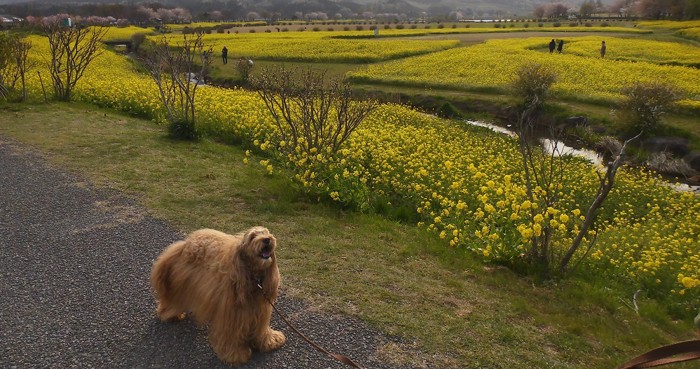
<point x="266" y="241"/>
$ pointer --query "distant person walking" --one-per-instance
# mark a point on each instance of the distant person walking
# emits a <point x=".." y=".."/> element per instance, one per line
<point x="602" y="50"/>
<point x="552" y="45"/>
<point x="560" y="47"/>
<point x="224" y="55"/>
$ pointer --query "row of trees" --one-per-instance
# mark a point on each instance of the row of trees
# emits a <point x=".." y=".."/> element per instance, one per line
<point x="646" y="9"/>
<point x="273" y="11"/>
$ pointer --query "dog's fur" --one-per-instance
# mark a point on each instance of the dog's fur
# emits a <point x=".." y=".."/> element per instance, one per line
<point x="215" y="276"/>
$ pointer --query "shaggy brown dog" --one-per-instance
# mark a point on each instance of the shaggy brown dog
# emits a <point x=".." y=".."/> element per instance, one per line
<point x="215" y="276"/>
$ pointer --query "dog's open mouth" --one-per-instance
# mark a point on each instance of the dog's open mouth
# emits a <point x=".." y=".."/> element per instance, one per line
<point x="266" y="252"/>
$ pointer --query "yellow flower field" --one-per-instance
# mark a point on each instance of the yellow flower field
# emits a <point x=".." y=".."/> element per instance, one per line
<point x="305" y="46"/>
<point x="666" y="24"/>
<point x="125" y="33"/>
<point x="636" y="50"/>
<point x="459" y="181"/>
<point x="691" y="33"/>
<point x="489" y="66"/>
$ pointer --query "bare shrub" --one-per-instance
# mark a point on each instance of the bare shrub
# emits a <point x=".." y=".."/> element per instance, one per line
<point x="244" y="66"/>
<point x="72" y="49"/>
<point x="645" y="103"/>
<point x="137" y="39"/>
<point x="14" y="63"/>
<point x="531" y="84"/>
<point x="178" y="77"/>
<point x="313" y="114"/>
<point x="664" y="162"/>
<point x="544" y="173"/>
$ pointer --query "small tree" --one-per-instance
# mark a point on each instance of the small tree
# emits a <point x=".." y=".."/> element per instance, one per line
<point x="137" y="39"/>
<point x="544" y="173"/>
<point x="605" y="185"/>
<point x="312" y="114"/>
<point x="72" y="50"/>
<point x="645" y="103"/>
<point x="13" y="65"/>
<point x="177" y="76"/>
<point x="244" y="66"/>
<point x="5" y="62"/>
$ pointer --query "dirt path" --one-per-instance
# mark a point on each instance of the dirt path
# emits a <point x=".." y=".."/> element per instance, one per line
<point x="74" y="267"/>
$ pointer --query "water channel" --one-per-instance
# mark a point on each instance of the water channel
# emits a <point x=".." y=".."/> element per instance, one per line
<point x="561" y="150"/>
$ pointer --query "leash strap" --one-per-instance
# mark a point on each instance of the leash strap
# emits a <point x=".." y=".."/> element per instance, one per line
<point x="673" y="353"/>
<point x="341" y="358"/>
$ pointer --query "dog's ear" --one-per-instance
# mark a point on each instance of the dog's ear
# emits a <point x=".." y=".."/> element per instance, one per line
<point x="251" y="234"/>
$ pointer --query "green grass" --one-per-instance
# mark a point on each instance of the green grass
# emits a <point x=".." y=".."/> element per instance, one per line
<point x="452" y="310"/>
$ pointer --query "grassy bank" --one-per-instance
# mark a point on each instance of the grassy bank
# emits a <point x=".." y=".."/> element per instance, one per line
<point x="451" y="310"/>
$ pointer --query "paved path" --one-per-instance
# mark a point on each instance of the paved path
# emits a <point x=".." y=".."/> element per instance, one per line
<point x="74" y="289"/>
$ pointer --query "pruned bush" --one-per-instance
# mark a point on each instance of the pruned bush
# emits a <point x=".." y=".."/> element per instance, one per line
<point x="72" y="49"/>
<point x="177" y="77"/>
<point x="532" y="83"/>
<point x="137" y="39"/>
<point x="645" y="103"/>
<point x="313" y="114"/>
<point x="14" y="64"/>
<point x="244" y="66"/>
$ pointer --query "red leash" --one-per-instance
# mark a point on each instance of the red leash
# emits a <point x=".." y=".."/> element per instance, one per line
<point x="341" y="358"/>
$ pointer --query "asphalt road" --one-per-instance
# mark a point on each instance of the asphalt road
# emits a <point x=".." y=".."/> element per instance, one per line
<point x="74" y="291"/>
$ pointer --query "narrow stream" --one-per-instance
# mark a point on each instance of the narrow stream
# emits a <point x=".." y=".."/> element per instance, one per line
<point x="562" y="149"/>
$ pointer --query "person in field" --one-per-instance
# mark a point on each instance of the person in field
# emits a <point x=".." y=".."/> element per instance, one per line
<point x="552" y="45"/>
<point x="602" y="50"/>
<point x="224" y="55"/>
<point x="560" y="47"/>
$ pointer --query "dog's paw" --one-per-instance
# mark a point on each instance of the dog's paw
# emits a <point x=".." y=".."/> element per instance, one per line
<point x="273" y="340"/>
<point x="238" y="356"/>
<point x="168" y="315"/>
